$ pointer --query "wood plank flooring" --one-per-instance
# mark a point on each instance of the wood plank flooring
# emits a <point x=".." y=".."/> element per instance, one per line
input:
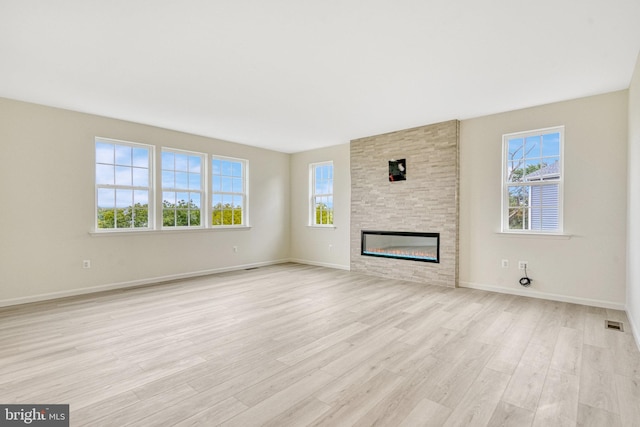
<point x="296" y="345"/>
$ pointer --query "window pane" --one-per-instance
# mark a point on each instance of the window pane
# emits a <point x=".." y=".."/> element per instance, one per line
<point x="518" y="196"/>
<point x="124" y="198"/>
<point x="141" y="217"/>
<point x="237" y="185"/>
<point x="216" y="167"/>
<point x="216" y="186"/>
<point x="141" y="157"/>
<point x="236" y="169"/>
<point x="516" y="149"/>
<point x="532" y="147"/>
<point x="123" y="218"/>
<point x="550" y="218"/>
<point x="194" y="181"/>
<point x="227" y="168"/>
<point x="106" y="198"/>
<point x="216" y="217"/>
<point x="182" y="217"/>
<point x="168" y="179"/>
<point x="195" y="200"/>
<point x="237" y="216"/>
<point x="104" y="153"/>
<point x="141" y="197"/>
<point x="182" y="199"/>
<point x="227" y="186"/>
<point x="182" y="180"/>
<point x="123" y="175"/>
<point x="515" y="172"/>
<point x="195" y="164"/>
<point x="551" y="144"/>
<point x="182" y="162"/>
<point x="516" y="219"/>
<point x="168" y="218"/>
<point x="140" y="177"/>
<point x="194" y="217"/>
<point x="105" y="174"/>
<point x="168" y="160"/>
<point x="550" y="195"/>
<point x="216" y="201"/>
<point x="123" y="155"/>
<point x="168" y="198"/>
<point x="106" y="218"/>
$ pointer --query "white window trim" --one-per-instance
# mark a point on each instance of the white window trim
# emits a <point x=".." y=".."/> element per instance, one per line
<point x="560" y="182"/>
<point x="204" y="193"/>
<point x="245" y="201"/>
<point x="151" y="220"/>
<point x="312" y="195"/>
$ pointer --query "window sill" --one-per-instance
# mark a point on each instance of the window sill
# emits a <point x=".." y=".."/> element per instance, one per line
<point x="556" y="236"/>
<point x="167" y="231"/>
<point x="320" y="227"/>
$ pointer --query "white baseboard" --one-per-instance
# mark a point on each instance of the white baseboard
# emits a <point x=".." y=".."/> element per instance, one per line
<point x="132" y="283"/>
<point x="635" y="328"/>
<point x="321" y="264"/>
<point x="544" y="295"/>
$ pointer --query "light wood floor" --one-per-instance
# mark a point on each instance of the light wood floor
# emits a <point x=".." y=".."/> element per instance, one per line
<point x="300" y="345"/>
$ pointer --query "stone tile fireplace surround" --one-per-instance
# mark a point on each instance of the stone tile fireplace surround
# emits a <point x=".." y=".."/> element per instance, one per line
<point x="426" y="202"/>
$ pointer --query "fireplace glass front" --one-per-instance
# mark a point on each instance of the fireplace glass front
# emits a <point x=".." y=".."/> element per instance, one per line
<point x="401" y="245"/>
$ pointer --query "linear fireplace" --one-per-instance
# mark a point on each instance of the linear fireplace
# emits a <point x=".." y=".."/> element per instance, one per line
<point x="401" y="245"/>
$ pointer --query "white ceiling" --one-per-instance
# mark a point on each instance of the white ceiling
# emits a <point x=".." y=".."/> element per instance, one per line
<point x="293" y="75"/>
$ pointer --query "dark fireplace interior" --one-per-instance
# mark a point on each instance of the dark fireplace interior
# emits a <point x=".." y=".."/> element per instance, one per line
<point x="401" y="245"/>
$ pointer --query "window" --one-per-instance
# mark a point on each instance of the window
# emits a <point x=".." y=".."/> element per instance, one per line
<point x="321" y="183"/>
<point x="533" y="181"/>
<point x="228" y="192"/>
<point x="182" y="188"/>
<point x="123" y="185"/>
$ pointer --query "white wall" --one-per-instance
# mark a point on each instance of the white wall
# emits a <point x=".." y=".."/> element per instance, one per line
<point x="590" y="266"/>
<point x="311" y="245"/>
<point x="633" y="233"/>
<point x="47" y="198"/>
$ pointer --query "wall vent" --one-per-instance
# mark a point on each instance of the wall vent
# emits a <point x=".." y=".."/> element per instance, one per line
<point x="612" y="324"/>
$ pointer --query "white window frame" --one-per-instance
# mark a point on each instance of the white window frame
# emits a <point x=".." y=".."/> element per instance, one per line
<point x="150" y="188"/>
<point x="540" y="183"/>
<point x="313" y="195"/>
<point x="244" y="194"/>
<point x="202" y="191"/>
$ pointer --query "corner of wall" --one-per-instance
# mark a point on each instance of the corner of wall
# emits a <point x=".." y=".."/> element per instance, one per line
<point x="633" y="204"/>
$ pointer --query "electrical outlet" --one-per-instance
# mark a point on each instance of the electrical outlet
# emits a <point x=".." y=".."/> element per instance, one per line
<point x="505" y="263"/>
<point x="330" y="248"/>
<point x="86" y="263"/>
<point x="235" y="249"/>
<point x="523" y="265"/>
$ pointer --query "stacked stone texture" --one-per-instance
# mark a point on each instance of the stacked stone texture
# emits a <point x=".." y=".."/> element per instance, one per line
<point x="426" y="202"/>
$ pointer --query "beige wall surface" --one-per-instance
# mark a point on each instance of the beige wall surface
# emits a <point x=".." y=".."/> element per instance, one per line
<point x="47" y="192"/>
<point x="633" y="233"/>
<point x="589" y="266"/>
<point x="313" y="245"/>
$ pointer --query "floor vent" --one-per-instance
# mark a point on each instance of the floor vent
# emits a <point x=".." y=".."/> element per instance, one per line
<point x="612" y="324"/>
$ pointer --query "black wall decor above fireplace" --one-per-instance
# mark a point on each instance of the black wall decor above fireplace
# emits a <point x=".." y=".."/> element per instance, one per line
<point x="401" y="245"/>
